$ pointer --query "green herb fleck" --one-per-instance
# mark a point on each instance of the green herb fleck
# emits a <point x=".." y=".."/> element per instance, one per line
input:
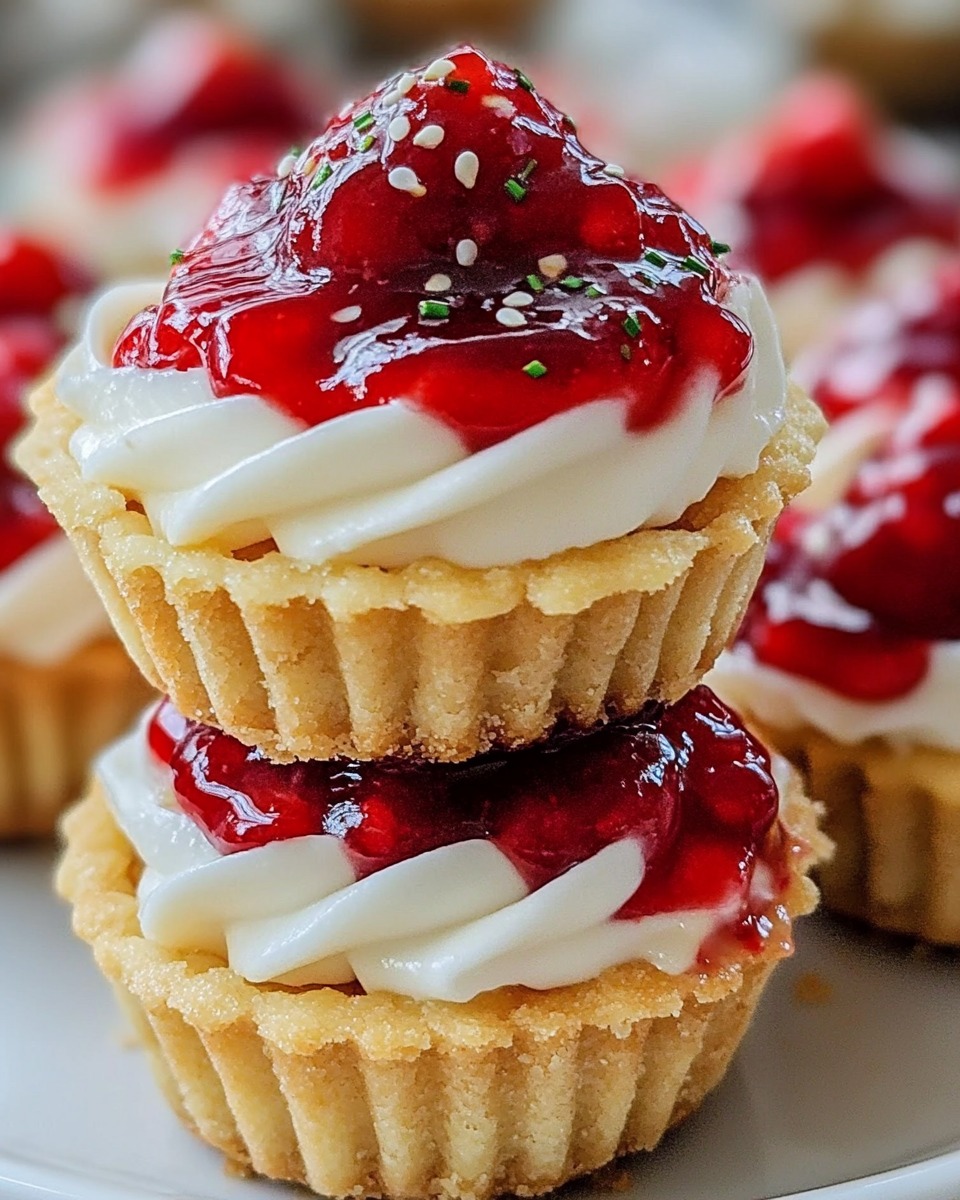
<point x="655" y="258"/>
<point x="524" y="80"/>
<point x="697" y="265"/>
<point x="363" y="122"/>
<point x="719" y="247"/>
<point x="594" y="292"/>
<point x="535" y="369"/>
<point x="322" y="175"/>
<point x="516" y="191"/>
<point x="573" y="283"/>
<point x="625" y="352"/>
<point x="367" y="143"/>
<point x="458" y="85"/>
<point x="535" y="282"/>
<point x="434" y="310"/>
<point x="631" y="325"/>
<point x="528" y="170"/>
<point x="177" y="257"/>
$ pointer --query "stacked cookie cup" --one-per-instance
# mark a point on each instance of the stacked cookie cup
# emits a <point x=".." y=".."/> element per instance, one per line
<point x="466" y="1046"/>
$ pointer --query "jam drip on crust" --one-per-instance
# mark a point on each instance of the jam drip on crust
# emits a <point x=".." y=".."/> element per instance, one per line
<point x="854" y="597"/>
<point x="687" y="781"/>
<point x="449" y="242"/>
<point x="34" y="283"/>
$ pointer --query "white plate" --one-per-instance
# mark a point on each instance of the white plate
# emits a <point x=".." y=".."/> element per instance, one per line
<point x="862" y="1085"/>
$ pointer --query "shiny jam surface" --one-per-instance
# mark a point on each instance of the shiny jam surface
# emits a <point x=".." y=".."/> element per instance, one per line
<point x="190" y="82"/>
<point x="33" y="283"/>
<point x="822" y="180"/>
<point x="687" y="781"/>
<point x="853" y="597"/>
<point x="448" y="241"/>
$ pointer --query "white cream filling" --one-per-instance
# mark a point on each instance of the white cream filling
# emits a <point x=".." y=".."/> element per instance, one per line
<point x="48" y="607"/>
<point x="446" y="925"/>
<point x="392" y="484"/>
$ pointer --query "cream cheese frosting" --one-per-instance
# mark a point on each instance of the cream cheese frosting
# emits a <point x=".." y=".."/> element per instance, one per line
<point x="445" y="925"/>
<point x="393" y="484"/>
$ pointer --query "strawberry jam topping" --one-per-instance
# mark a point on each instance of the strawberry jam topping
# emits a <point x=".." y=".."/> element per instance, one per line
<point x="448" y="241"/>
<point x="687" y="781"/>
<point x="853" y="597"/>
<point x="33" y="283"/>
<point x="822" y="181"/>
<point x="190" y="82"/>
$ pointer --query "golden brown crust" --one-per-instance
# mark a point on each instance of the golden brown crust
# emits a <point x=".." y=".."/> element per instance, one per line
<point x="53" y="719"/>
<point x="431" y="659"/>
<point x="380" y="1095"/>
<point x="894" y="816"/>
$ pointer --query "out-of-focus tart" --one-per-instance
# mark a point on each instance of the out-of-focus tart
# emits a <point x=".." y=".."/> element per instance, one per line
<point x="444" y="431"/>
<point x="850" y="656"/>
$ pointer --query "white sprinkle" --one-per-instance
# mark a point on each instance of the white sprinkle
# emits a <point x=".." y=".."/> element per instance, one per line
<point x="466" y="168"/>
<point x="518" y="300"/>
<point x="438" y="283"/>
<point x="405" y="83"/>
<point x="430" y="137"/>
<point x="500" y="103"/>
<point x="615" y="170"/>
<point x="440" y="68"/>
<point x="553" y="266"/>
<point x="467" y="252"/>
<point x="392" y="99"/>
<point x="511" y="318"/>
<point x="405" y="180"/>
<point x="286" y="165"/>
<point x="345" y="315"/>
<point x="398" y="128"/>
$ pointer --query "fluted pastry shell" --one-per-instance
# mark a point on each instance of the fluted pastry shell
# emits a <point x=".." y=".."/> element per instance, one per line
<point x="379" y="1095"/>
<point x="431" y="659"/>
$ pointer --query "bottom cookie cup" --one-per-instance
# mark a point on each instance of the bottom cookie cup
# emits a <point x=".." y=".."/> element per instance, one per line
<point x="379" y="1095"/>
<point x="53" y="719"/>
<point x="894" y="817"/>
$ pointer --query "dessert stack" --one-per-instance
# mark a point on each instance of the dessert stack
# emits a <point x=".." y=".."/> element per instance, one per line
<point x="427" y="487"/>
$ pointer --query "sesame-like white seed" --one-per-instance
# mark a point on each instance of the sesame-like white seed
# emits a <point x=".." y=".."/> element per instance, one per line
<point x="405" y="180"/>
<point x="392" y="99"/>
<point x="511" y="317"/>
<point x="615" y="170"/>
<point x="467" y="252"/>
<point x="466" y="168"/>
<point x="518" y="300"/>
<point x="552" y="265"/>
<point x="405" y="83"/>
<point x="500" y="103"/>
<point x="430" y="137"/>
<point x="398" y="128"/>
<point x="344" y="316"/>
<point x="440" y="68"/>
<point x="438" y="283"/>
<point x="286" y="165"/>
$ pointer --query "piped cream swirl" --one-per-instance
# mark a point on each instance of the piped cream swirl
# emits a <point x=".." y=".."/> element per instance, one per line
<point x="393" y="484"/>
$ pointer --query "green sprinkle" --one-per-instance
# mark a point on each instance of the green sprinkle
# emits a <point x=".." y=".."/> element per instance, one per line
<point x="322" y="175"/>
<point x="719" y="247"/>
<point x="363" y="122"/>
<point x="524" y="80"/>
<point x="177" y="257"/>
<point x="516" y="191"/>
<point x="573" y="283"/>
<point x="296" y="151"/>
<point x="697" y="265"/>
<point x="535" y="282"/>
<point x="458" y="85"/>
<point x="434" y="310"/>
<point x="528" y="170"/>
<point x="594" y="292"/>
<point x="655" y="258"/>
<point x="535" y="369"/>
<point x="625" y="352"/>
<point x="367" y="142"/>
<point x="631" y="325"/>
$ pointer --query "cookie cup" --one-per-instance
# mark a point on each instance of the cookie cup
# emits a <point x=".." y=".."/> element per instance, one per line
<point x="379" y="1095"/>
<point x="53" y="719"/>
<point x="430" y="659"/>
<point x="894" y="817"/>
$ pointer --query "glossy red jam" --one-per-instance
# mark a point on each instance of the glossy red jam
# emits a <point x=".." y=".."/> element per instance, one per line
<point x="687" y="781"/>
<point x="854" y="597"/>
<point x="191" y="82"/>
<point x="821" y="180"/>
<point x="494" y="279"/>
<point x="33" y="284"/>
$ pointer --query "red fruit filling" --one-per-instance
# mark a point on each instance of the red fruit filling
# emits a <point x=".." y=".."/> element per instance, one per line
<point x="854" y="597"/>
<point x="448" y="241"/>
<point x="822" y="180"/>
<point x="33" y="282"/>
<point x="687" y="781"/>
<point x="190" y="82"/>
